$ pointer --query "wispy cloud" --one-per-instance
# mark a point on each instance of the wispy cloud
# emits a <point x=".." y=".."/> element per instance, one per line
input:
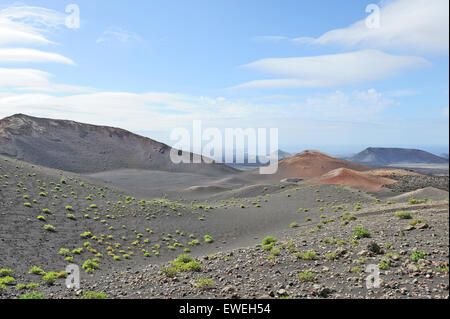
<point x="118" y="34"/>
<point x="12" y="55"/>
<point x="419" y="25"/>
<point x="27" y="24"/>
<point x="329" y="70"/>
<point x="142" y="111"/>
<point x="34" y="80"/>
<point x="23" y="26"/>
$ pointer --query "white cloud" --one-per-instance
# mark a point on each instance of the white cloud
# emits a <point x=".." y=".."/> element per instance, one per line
<point x="118" y="34"/>
<point x="419" y="25"/>
<point x="23" y="26"/>
<point x="331" y="70"/>
<point x="33" y="80"/>
<point x="445" y="111"/>
<point x="8" y="55"/>
<point x="146" y="111"/>
<point x="28" y="25"/>
<point x="164" y="111"/>
<point x="354" y="106"/>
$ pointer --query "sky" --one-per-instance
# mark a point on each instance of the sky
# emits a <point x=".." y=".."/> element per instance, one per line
<point x="329" y="75"/>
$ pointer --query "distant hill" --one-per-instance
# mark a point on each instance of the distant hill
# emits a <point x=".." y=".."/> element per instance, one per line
<point x="283" y="154"/>
<point x="85" y="148"/>
<point x="380" y="156"/>
<point x="253" y="161"/>
<point x="444" y="155"/>
<point x="310" y="164"/>
<point x="362" y="180"/>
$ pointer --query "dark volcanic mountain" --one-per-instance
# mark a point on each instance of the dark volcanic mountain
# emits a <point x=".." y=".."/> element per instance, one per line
<point x="380" y="156"/>
<point x="85" y="148"/>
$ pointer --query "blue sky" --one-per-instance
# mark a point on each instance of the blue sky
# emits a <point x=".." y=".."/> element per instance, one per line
<point x="311" y="68"/>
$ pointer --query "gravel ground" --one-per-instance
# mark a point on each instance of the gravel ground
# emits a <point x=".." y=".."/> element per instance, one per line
<point x="336" y="268"/>
<point x="409" y="183"/>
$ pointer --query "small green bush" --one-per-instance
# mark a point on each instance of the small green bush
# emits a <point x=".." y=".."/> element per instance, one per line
<point x="306" y="276"/>
<point x="418" y="254"/>
<point x="309" y="255"/>
<point x="403" y="215"/>
<point x="49" y="278"/>
<point x="268" y="240"/>
<point x="93" y="295"/>
<point x="32" y="295"/>
<point x="49" y="227"/>
<point x="5" y="272"/>
<point x="36" y="270"/>
<point x="90" y="266"/>
<point x="208" y="239"/>
<point x="413" y="201"/>
<point x="183" y="263"/>
<point x="361" y="232"/>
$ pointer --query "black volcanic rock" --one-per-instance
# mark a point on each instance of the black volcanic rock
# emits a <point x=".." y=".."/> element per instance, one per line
<point x="85" y="148"/>
<point x="380" y="156"/>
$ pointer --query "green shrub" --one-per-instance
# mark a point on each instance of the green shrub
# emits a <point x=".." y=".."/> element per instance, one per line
<point x="77" y="251"/>
<point x="32" y="285"/>
<point x="36" y="270"/>
<point x="205" y="283"/>
<point x="183" y="263"/>
<point x="309" y="255"/>
<point x="413" y="201"/>
<point x="384" y="264"/>
<point x="361" y="232"/>
<point x="7" y="280"/>
<point x="356" y="269"/>
<point x="49" y="278"/>
<point x="49" y="227"/>
<point x="330" y="256"/>
<point x="306" y="276"/>
<point x="90" y="266"/>
<point x="5" y="272"/>
<point x="268" y="240"/>
<point x="93" y="295"/>
<point x="414" y="222"/>
<point x="64" y="252"/>
<point x="208" y="239"/>
<point x="403" y="215"/>
<point x="86" y="234"/>
<point x="32" y="295"/>
<point x="418" y="254"/>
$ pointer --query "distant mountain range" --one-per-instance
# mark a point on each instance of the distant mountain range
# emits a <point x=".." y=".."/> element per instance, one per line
<point x="381" y="156"/>
<point x="85" y="148"/>
<point x="253" y="161"/>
